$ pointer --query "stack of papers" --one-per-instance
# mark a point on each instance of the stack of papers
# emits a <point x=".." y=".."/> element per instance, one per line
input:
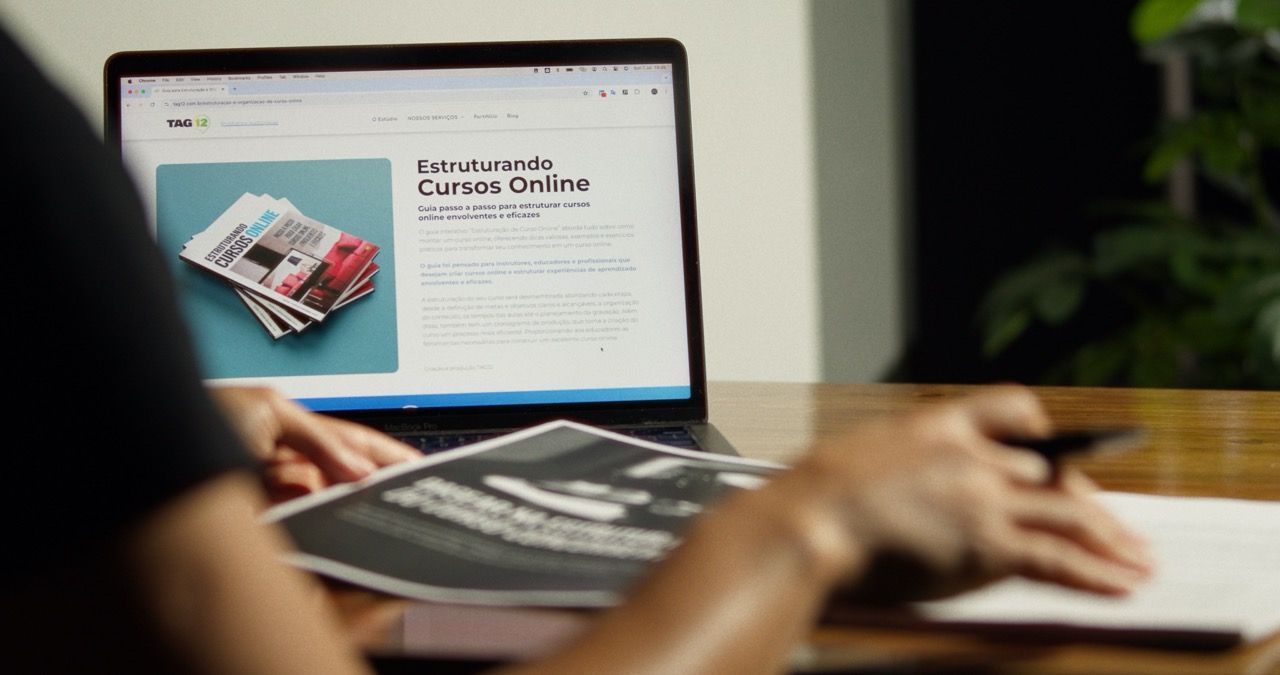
<point x="558" y="515"/>
<point x="289" y="270"/>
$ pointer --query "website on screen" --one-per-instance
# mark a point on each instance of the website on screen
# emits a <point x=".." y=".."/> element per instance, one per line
<point x="392" y="239"/>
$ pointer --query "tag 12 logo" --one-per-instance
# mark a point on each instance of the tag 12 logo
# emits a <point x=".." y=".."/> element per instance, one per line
<point x="198" y="122"/>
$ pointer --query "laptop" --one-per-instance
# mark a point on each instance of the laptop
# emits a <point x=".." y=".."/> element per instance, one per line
<point x="525" y="213"/>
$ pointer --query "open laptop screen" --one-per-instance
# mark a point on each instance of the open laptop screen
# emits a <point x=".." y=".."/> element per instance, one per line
<point x="377" y="229"/>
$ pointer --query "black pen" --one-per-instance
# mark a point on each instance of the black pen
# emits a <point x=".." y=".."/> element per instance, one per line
<point x="1078" y="441"/>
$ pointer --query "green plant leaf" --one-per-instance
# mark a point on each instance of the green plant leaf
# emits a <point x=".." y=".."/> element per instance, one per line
<point x="1210" y="44"/>
<point x="1098" y="364"/>
<point x="1125" y="248"/>
<point x="1268" y="328"/>
<point x="1260" y="103"/>
<point x="1257" y="245"/>
<point x="1243" y="301"/>
<point x="1258" y="15"/>
<point x="1185" y="269"/>
<point x="1154" y="357"/>
<point x="1154" y="19"/>
<point x="1198" y="263"/>
<point x="1204" y="330"/>
<point x="1057" y="301"/>
<point x="1050" y="287"/>
<point x="1018" y="287"/>
<point x="1219" y="141"/>
<point x="1004" y="332"/>
<point x="1169" y="150"/>
<point x="1151" y="371"/>
<point x="1269" y="325"/>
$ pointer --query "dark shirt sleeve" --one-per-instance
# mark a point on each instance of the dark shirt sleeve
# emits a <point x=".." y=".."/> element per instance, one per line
<point x="109" y="418"/>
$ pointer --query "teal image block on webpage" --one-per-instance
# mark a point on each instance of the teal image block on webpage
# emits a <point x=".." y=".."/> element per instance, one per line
<point x="353" y="195"/>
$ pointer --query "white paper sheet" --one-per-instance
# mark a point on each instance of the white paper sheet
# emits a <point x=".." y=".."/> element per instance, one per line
<point x="1218" y="569"/>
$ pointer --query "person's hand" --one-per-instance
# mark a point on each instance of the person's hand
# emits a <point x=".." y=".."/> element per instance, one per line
<point x="900" y="508"/>
<point x="931" y="502"/>
<point x="303" y="451"/>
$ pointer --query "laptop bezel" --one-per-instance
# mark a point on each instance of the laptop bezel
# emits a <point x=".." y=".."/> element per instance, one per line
<point x="475" y="55"/>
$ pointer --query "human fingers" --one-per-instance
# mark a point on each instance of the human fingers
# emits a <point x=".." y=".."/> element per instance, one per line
<point x="291" y="475"/>
<point x="976" y="424"/>
<point x="1042" y="555"/>
<point x="315" y="437"/>
<point x="1083" y="522"/>
<point x="1074" y="482"/>
<point x="268" y="422"/>
<point x="380" y="448"/>
<point x="1019" y="465"/>
<point x="250" y="412"/>
<point x="1007" y="411"/>
<point x="959" y="428"/>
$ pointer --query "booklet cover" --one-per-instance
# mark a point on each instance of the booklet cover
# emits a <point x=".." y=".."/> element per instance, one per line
<point x="279" y="321"/>
<point x="265" y="246"/>
<point x="561" y="514"/>
<point x="275" y="326"/>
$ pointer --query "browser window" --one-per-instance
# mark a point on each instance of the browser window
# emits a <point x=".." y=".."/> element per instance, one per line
<point x="418" y="238"/>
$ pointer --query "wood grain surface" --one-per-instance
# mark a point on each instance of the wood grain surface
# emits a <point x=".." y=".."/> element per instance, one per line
<point x="1213" y="443"/>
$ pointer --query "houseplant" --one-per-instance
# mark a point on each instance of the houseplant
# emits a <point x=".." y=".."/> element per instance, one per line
<point x="1190" y="296"/>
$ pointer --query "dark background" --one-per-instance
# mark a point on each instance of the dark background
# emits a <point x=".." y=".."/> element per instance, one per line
<point x="1027" y="117"/>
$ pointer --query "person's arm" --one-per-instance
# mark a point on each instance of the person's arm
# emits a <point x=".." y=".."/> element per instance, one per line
<point x="196" y="586"/>
<point x="210" y="577"/>
<point x="931" y="488"/>
<point x="930" y="491"/>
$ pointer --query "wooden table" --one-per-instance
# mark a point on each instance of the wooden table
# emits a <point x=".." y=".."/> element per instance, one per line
<point x="1217" y="443"/>
<point x="1211" y="443"/>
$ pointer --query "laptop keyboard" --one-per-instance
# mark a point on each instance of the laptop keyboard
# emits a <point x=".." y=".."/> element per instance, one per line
<point x="437" y="442"/>
<point x="432" y="443"/>
<point x="677" y="436"/>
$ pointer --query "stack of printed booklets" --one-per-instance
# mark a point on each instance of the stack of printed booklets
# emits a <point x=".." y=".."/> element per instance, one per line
<point x="289" y="270"/>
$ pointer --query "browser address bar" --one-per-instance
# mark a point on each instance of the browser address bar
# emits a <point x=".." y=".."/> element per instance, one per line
<point x="409" y="83"/>
<point x="386" y="97"/>
<point x="190" y="89"/>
